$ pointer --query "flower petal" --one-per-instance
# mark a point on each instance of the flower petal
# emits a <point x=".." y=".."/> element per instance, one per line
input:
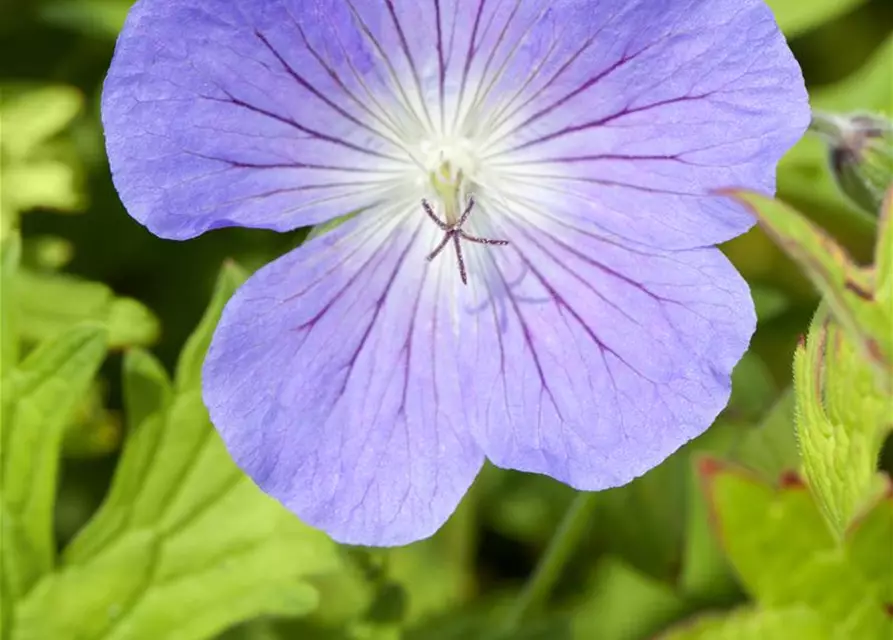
<point x="225" y="113"/>
<point x="283" y="113"/>
<point x="637" y="108"/>
<point x="332" y="379"/>
<point x="647" y="107"/>
<point x="594" y="361"/>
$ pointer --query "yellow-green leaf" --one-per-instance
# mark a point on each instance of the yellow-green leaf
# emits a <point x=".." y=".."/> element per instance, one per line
<point x="842" y="420"/>
<point x="181" y="524"/>
<point x="50" y="303"/>
<point x="38" y="397"/>
<point x="794" y="623"/>
<point x="786" y="556"/>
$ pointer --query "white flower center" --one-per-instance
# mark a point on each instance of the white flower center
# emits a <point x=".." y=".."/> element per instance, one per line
<point x="449" y="166"/>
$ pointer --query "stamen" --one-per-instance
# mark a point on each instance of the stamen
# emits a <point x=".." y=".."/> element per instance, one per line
<point x="455" y="233"/>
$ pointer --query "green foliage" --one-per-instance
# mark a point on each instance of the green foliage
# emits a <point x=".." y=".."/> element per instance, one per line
<point x="39" y="395"/>
<point x="786" y="556"/>
<point x="883" y="255"/>
<point x="10" y="255"/>
<point x="38" y="170"/>
<point x="625" y="604"/>
<point x="184" y="545"/>
<point x="749" y="624"/>
<point x="842" y="373"/>
<point x="842" y="419"/>
<point x="50" y="303"/>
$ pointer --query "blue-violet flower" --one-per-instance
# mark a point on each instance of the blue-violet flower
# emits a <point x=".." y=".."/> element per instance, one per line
<point x="363" y="378"/>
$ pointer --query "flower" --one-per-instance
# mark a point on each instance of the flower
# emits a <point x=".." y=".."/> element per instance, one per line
<point x="359" y="383"/>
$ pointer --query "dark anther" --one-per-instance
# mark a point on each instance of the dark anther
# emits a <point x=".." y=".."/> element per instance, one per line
<point x="455" y="233"/>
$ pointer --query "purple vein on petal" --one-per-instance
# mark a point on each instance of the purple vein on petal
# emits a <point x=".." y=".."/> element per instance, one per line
<point x="386" y="60"/>
<point x="470" y="54"/>
<point x="230" y="99"/>
<point x="628" y="111"/>
<point x="412" y="65"/>
<point x="585" y="86"/>
<point x="322" y="97"/>
<point x="441" y="64"/>
<point x="477" y="99"/>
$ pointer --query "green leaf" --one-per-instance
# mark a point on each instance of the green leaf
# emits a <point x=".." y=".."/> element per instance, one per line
<point x="50" y="303"/>
<point x="842" y="419"/>
<point x="847" y="289"/>
<point x="47" y="183"/>
<point x="47" y="252"/>
<point x="33" y="114"/>
<point x="706" y="576"/>
<point x="785" y="555"/>
<point x="794" y="16"/>
<point x="770" y="447"/>
<point x="38" y="398"/>
<point x="753" y="389"/>
<point x="869" y="544"/>
<point x="625" y="605"/>
<point x="94" y="431"/>
<point x="181" y="524"/>
<point x="189" y="365"/>
<point x="883" y="255"/>
<point x="437" y="573"/>
<point x="795" y="623"/>
<point x="10" y="254"/>
<point x="629" y="516"/>
<point x="37" y="170"/>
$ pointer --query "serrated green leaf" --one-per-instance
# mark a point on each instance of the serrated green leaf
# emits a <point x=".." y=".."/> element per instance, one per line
<point x="846" y="288"/>
<point x="795" y="623"/>
<point x="31" y="115"/>
<point x="38" y="398"/>
<point x="10" y="255"/>
<point x="189" y="365"/>
<point x="50" y="303"/>
<point x="786" y="556"/>
<point x="194" y="527"/>
<point x="794" y="16"/>
<point x="842" y="419"/>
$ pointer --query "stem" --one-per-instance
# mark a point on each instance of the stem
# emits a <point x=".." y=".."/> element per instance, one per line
<point x="571" y="530"/>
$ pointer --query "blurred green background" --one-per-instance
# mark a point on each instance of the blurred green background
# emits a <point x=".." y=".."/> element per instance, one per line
<point x="56" y="188"/>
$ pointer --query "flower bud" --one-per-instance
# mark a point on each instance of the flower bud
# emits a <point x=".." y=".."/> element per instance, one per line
<point x="861" y="155"/>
